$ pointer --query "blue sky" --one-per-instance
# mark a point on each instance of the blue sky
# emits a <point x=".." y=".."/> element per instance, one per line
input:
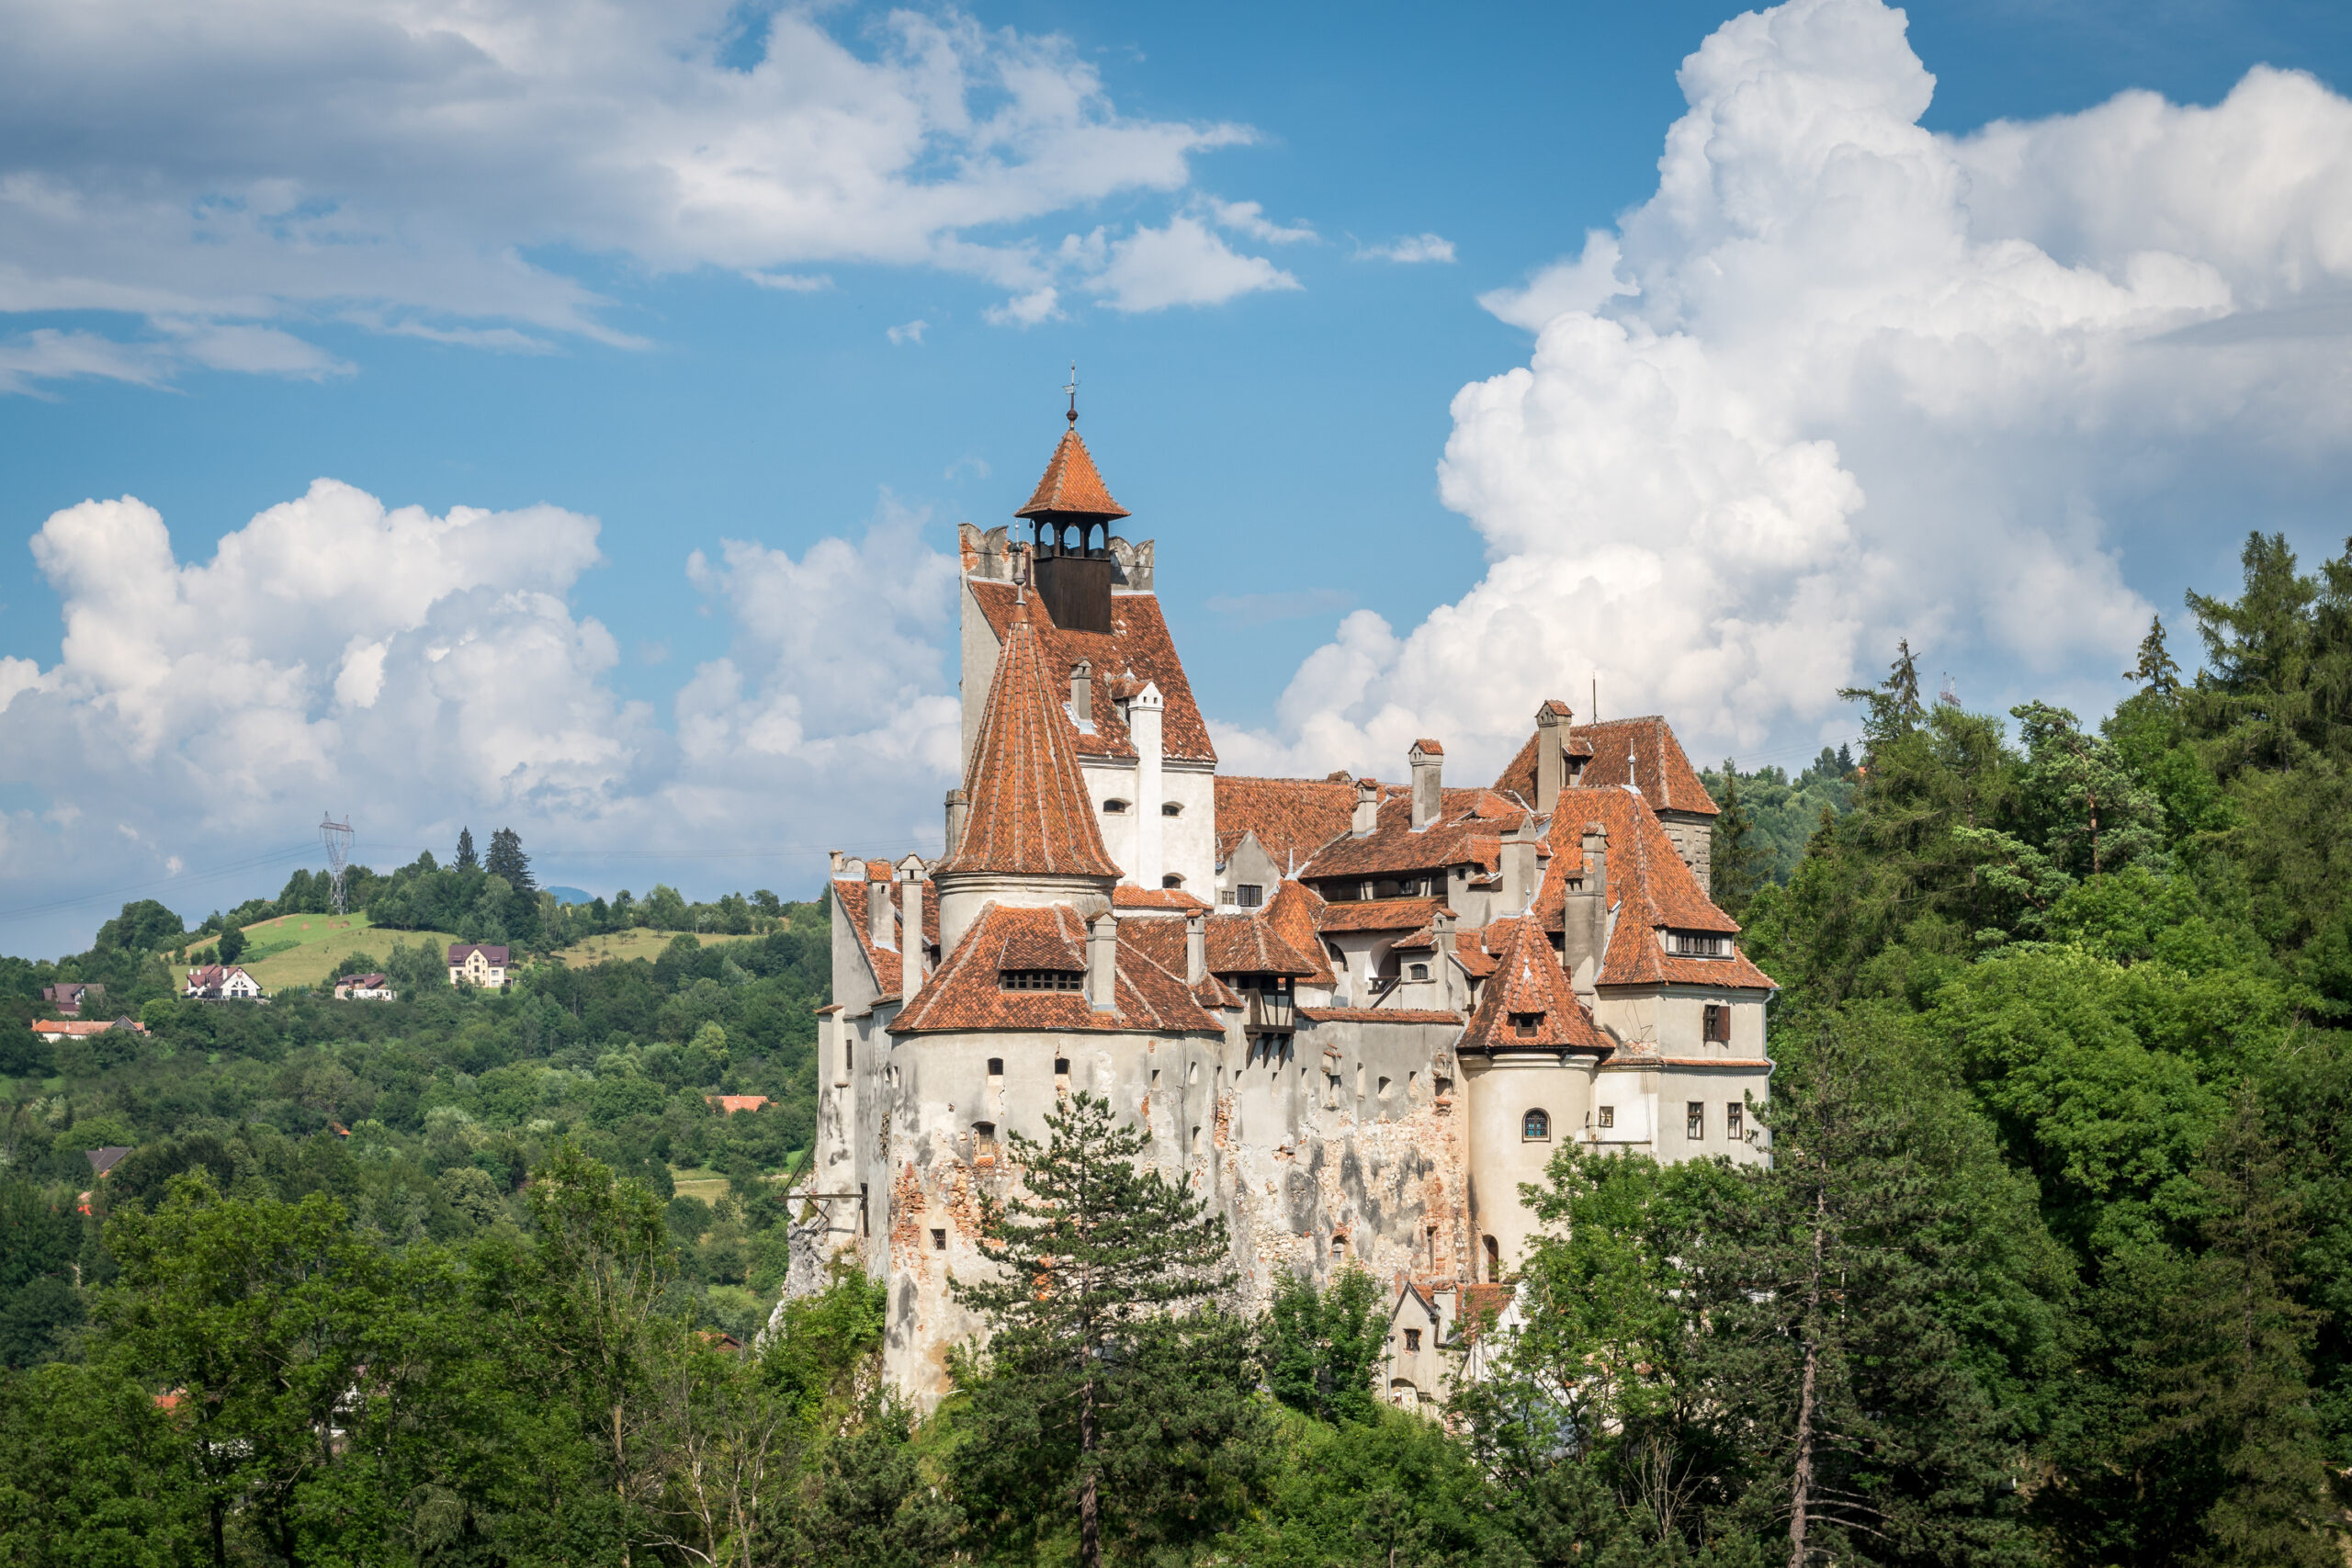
<point x="333" y="284"/>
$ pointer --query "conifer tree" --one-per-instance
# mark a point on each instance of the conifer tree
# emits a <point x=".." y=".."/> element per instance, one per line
<point x="508" y="861"/>
<point x="1892" y="705"/>
<point x="466" y="859"/>
<point x="1737" y="856"/>
<point x="2228" y="1396"/>
<point x="2156" y="670"/>
<point x="1109" y="1393"/>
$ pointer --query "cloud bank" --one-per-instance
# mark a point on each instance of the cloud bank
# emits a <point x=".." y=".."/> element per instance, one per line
<point x="1842" y="379"/>
<point x="224" y="176"/>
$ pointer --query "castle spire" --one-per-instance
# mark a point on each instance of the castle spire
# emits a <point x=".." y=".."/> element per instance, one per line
<point x="1030" y="814"/>
<point x="1070" y="513"/>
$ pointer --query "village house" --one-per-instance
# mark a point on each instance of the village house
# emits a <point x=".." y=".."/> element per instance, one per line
<point x="56" y="1029"/>
<point x="68" y="997"/>
<point x="473" y="964"/>
<point x="1354" y="1015"/>
<point x="365" y="988"/>
<point x="221" y="983"/>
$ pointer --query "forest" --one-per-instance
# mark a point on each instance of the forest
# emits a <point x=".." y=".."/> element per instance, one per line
<point x="2052" y="1264"/>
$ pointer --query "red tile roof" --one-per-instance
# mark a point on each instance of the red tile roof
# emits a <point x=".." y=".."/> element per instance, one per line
<point x="1378" y="914"/>
<point x="1649" y="887"/>
<point x="728" y="1104"/>
<point x="1071" y="484"/>
<point x="82" y="1026"/>
<point x="884" y="961"/>
<point x="1125" y="897"/>
<point x="965" y="993"/>
<point x="1469" y="832"/>
<point x="1137" y="651"/>
<point x="1528" y="980"/>
<point x="1248" y="944"/>
<point x="1289" y="816"/>
<point x="1030" y="813"/>
<point x="1296" y="916"/>
<point x="1161" y="938"/>
<point x="1644" y="751"/>
<point x="1377" y="1015"/>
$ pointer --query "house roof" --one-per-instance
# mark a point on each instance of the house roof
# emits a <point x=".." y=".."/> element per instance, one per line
<point x="1650" y="889"/>
<point x="1030" y="813"/>
<point x="1071" y="484"/>
<point x="459" y="951"/>
<point x="965" y="993"/>
<point x="62" y="1026"/>
<point x="1249" y="944"/>
<point x="1161" y="939"/>
<point x="1136" y="652"/>
<point x="883" y="962"/>
<point x="1378" y="914"/>
<point x="1528" y="981"/>
<point x="1643" y="752"/>
<point x="1468" y="831"/>
<point x="728" y="1104"/>
<point x="1378" y="1015"/>
<point x="362" y="981"/>
<point x="1291" y="817"/>
<point x="1125" y="897"/>
<point x="1296" y="916"/>
<point x="106" y="1159"/>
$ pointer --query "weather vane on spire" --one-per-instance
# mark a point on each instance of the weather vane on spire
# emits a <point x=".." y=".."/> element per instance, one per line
<point x="1073" y="390"/>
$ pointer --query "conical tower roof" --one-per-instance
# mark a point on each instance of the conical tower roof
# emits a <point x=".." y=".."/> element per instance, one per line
<point x="1528" y="985"/>
<point x="1072" y="485"/>
<point x="1030" y="814"/>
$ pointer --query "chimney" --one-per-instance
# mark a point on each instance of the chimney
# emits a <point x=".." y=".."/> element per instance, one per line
<point x="1519" y="868"/>
<point x="916" y="964"/>
<point x="1147" y="713"/>
<point x="959" y="807"/>
<point x="879" y="927"/>
<point x="1196" y="948"/>
<point x="1427" y="760"/>
<point x="837" y="873"/>
<point x="1081" y="694"/>
<point x="1583" y="921"/>
<point x="1367" y="815"/>
<point x="1441" y="933"/>
<point x="1551" y="754"/>
<point x="1103" y="962"/>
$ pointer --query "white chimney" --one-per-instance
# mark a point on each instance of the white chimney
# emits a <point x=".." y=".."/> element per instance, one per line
<point x="1367" y="817"/>
<point x="1427" y="762"/>
<point x="879" y="927"/>
<point x="1519" y="868"/>
<point x="1103" y="962"/>
<point x="916" y="964"/>
<point x="1551" y="754"/>
<point x="1196" y="948"/>
<point x="1081" y="695"/>
<point x="1147" y="714"/>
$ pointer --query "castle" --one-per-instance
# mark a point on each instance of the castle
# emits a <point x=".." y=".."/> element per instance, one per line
<point x="1357" y="1015"/>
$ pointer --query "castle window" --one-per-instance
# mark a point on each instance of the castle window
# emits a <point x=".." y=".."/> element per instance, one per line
<point x="1736" y="1122"/>
<point x="1040" y="979"/>
<point x="1172" y="808"/>
<point x="1698" y="944"/>
<point x="1606" y="1116"/>
<point x="1384" y="888"/>
<point x="939" y="1241"/>
<point x="1249" y="895"/>
<point x="1115" y="806"/>
<point x="1420" y="971"/>
<point x="1412" y="1340"/>
<point x="1694" y="1121"/>
<point x="1536" y="1127"/>
<point x="1718" y="1024"/>
<point x="1171" y="880"/>
<point x="1525" y="1024"/>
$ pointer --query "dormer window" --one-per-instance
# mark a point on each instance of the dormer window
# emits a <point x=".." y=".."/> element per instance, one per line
<point x="1172" y="808"/>
<point x="1114" y="807"/>
<point x="1525" y="1025"/>
<point x="1171" y="880"/>
<point x="1249" y="894"/>
<point x="1041" y="979"/>
<point x="1698" y="944"/>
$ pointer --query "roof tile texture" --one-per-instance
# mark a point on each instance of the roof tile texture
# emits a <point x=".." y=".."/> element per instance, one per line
<point x="1071" y="484"/>
<point x="1137" y="651"/>
<point x="965" y="993"/>
<point x="1030" y="813"/>
<point x="1469" y="832"/>
<point x="1528" y="982"/>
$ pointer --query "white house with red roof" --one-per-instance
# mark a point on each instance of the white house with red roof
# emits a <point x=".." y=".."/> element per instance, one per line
<point x="1357" y="1015"/>
<point x="221" y="983"/>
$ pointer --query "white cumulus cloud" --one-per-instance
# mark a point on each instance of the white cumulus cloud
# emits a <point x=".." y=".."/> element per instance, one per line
<point x="219" y="176"/>
<point x="1842" y="379"/>
<point x="1184" y="263"/>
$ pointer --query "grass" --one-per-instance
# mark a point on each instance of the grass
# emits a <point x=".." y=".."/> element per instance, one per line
<point x="639" y="942"/>
<point x="309" y="950"/>
<point x="701" y="1182"/>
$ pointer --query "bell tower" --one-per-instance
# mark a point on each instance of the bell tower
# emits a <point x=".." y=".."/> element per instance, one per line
<point x="1071" y="513"/>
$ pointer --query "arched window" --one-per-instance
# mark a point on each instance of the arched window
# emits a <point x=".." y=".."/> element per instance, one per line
<point x="1420" y="971"/>
<point x="1115" y="806"/>
<point x="1536" y="1127"/>
<point x="1172" y="808"/>
<point x="1171" y="880"/>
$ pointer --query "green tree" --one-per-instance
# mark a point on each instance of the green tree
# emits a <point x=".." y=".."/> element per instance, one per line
<point x="1323" y="1347"/>
<point x="1737" y="856"/>
<point x="2156" y="672"/>
<point x="1892" y="707"/>
<point x="508" y="861"/>
<point x="2228" y="1393"/>
<point x="232" y="945"/>
<point x="465" y="859"/>
<point x="1109" y="1396"/>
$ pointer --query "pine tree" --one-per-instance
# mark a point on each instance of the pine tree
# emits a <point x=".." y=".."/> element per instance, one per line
<point x="508" y="861"/>
<point x="466" y="859"/>
<point x="1109" y="1391"/>
<point x="2228" y="1396"/>
<point x="2156" y="670"/>
<point x="1894" y="703"/>
<point x="1737" y="854"/>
